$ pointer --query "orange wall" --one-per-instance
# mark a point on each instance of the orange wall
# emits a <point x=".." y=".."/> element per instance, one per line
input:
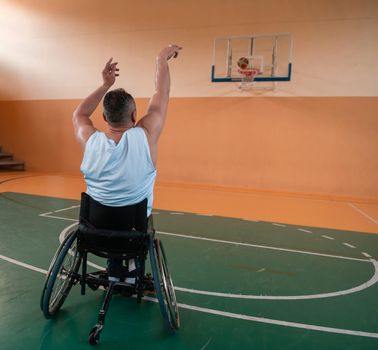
<point x="315" y="134"/>
<point x="311" y="145"/>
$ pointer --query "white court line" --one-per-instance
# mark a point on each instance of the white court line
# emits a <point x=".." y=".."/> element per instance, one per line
<point x="74" y="206"/>
<point x="57" y="217"/>
<point x="235" y="243"/>
<point x="240" y="316"/>
<point x="234" y="315"/>
<point x="365" y="285"/>
<point x="176" y="213"/>
<point x="19" y="263"/>
<point x="207" y="343"/>
<point x="63" y="234"/>
<point x="363" y="213"/>
<point x="272" y="321"/>
<point x="349" y="245"/>
<point x="59" y="210"/>
<point x="280" y="225"/>
<point x="324" y="236"/>
<point x="303" y="230"/>
<point x="366" y="254"/>
<point x="279" y="322"/>
<point x="361" y="287"/>
<point x="260" y="246"/>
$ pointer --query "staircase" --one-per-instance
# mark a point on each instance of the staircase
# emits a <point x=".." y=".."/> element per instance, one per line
<point x="7" y="162"/>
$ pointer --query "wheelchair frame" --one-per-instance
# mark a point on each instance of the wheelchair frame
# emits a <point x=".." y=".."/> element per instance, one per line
<point x="63" y="274"/>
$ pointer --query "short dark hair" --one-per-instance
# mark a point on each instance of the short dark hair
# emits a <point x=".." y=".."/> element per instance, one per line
<point x="118" y="106"/>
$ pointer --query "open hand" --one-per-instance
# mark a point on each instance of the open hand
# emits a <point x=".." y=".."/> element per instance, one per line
<point x="110" y="72"/>
<point x="169" y="52"/>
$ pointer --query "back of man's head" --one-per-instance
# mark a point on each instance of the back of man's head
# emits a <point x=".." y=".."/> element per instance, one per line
<point x="119" y="106"/>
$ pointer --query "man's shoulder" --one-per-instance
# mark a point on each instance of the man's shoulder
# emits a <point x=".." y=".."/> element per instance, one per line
<point x="93" y="139"/>
<point x="95" y="135"/>
<point x="140" y="130"/>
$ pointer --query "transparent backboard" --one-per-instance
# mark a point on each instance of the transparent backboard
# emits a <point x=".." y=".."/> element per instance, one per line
<point x="269" y="53"/>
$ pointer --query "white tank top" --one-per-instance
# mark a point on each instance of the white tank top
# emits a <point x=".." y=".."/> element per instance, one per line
<point x="119" y="174"/>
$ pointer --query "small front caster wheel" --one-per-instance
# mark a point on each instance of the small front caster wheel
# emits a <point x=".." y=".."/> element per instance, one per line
<point x="94" y="335"/>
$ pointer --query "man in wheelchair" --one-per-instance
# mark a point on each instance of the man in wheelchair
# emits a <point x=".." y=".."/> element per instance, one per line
<point x="119" y="168"/>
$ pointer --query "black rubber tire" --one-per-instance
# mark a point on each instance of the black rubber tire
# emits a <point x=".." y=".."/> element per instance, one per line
<point x="162" y="279"/>
<point x="170" y="295"/>
<point x="66" y="262"/>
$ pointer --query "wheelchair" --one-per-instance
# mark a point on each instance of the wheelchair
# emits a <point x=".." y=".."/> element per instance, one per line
<point x="124" y="236"/>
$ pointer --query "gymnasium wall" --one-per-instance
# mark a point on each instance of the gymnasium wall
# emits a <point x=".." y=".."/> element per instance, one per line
<point x="316" y="134"/>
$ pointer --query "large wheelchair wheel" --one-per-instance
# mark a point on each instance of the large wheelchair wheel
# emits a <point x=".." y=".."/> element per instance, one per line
<point x="165" y="292"/>
<point x="61" y="275"/>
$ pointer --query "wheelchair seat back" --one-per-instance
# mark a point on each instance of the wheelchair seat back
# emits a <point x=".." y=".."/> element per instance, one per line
<point x="112" y="231"/>
<point x="106" y="217"/>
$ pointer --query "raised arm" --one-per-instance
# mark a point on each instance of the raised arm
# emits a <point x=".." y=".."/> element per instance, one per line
<point x="153" y="121"/>
<point x="83" y="126"/>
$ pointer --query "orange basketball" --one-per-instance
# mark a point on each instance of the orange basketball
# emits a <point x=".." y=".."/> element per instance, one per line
<point x="243" y="62"/>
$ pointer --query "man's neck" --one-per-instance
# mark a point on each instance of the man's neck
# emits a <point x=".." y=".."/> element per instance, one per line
<point x="115" y="132"/>
<point x="119" y="128"/>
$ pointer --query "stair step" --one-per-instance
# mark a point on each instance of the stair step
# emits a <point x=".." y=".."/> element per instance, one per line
<point x="5" y="164"/>
<point x="6" y="155"/>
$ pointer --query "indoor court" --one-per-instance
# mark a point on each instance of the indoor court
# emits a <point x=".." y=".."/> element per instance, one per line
<point x="266" y="196"/>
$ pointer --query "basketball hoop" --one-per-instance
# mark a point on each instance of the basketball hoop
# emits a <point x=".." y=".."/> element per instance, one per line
<point x="248" y="76"/>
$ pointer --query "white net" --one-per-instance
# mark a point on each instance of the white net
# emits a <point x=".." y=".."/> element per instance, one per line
<point x="247" y="77"/>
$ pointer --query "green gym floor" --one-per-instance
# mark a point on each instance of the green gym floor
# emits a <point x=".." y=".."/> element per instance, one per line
<point x="241" y="284"/>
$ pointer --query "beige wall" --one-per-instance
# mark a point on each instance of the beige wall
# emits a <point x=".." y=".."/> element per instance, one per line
<point x="317" y="134"/>
<point x="55" y="49"/>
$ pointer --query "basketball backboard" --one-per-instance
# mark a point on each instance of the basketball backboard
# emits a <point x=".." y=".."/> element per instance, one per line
<point x="269" y="53"/>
